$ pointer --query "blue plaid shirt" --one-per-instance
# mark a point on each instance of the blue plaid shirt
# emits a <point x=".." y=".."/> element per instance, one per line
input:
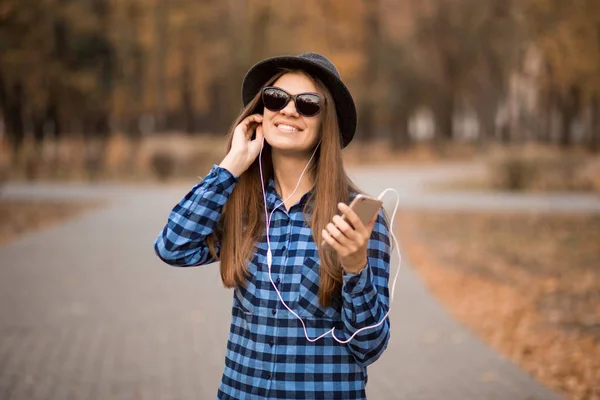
<point x="267" y="355"/>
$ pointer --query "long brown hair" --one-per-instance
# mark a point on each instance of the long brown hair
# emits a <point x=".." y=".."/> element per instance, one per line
<point x="238" y="236"/>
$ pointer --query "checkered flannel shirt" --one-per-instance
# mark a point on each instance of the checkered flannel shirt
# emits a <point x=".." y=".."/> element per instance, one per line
<point x="267" y="355"/>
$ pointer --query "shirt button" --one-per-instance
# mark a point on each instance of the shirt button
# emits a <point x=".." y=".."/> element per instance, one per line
<point x="278" y="281"/>
<point x="268" y="375"/>
<point x="274" y="312"/>
<point x="271" y="343"/>
<point x="283" y="248"/>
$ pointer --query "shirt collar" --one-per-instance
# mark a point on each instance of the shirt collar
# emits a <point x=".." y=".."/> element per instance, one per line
<point x="273" y="198"/>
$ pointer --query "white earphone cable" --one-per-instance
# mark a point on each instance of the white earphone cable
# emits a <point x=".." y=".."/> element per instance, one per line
<point x="270" y="256"/>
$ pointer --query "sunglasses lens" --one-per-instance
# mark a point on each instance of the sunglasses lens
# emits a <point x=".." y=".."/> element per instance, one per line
<point x="308" y="104"/>
<point x="274" y="99"/>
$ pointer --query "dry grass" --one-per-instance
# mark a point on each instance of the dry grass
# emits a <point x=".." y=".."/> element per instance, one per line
<point x="21" y="217"/>
<point x="122" y="160"/>
<point x="535" y="168"/>
<point x="177" y="157"/>
<point x="528" y="284"/>
<point x="379" y="152"/>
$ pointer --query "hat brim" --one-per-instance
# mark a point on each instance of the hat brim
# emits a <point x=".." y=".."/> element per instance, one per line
<point x="260" y="74"/>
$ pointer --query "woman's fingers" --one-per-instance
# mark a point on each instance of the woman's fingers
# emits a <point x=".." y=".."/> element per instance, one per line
<point x="351" y="216"/>
<point x="255" y="145"/>
<point x="243" y="132"/>
<point x="338" y="235"/>
<point x="244" y="126"/>
<point x="347" y="235"/>
<point x="251" y="120"/>
<point x="327" y="238"/>
<point x="344" y="227"/>
<point x="259" y="133"/>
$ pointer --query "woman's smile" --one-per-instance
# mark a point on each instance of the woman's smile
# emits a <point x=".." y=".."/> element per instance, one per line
<point x="286" y="128"/>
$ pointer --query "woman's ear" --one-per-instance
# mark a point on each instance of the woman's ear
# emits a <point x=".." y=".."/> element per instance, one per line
<point x="259" y="109"/>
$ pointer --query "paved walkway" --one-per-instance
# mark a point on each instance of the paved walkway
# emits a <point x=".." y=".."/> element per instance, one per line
<point x="88" y="312"/>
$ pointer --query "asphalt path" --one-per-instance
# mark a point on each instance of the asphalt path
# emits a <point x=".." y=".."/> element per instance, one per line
<point x="87" y="311"/>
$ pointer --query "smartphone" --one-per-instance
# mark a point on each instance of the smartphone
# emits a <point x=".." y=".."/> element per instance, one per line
<point x="365" y="207"/>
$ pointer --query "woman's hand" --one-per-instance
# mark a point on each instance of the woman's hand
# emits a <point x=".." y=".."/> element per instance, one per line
<point x="349" y="240"/>
<point x="244" y="150"/>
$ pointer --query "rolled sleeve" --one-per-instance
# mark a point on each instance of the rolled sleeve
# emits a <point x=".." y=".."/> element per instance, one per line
<point x="365" y="299"/>
<point x="182" y="242"/>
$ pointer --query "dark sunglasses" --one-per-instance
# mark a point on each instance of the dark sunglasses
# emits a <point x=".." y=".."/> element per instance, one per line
<point x="275" y="99"/>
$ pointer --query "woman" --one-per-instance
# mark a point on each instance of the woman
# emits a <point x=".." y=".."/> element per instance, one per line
<point x="330" y="272"/>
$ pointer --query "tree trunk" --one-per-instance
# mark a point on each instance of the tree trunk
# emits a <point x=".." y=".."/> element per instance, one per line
<point x="38" y="142"/>
<point x="11" y="106"/>
<point x="53" y="117"/>
<point x="400" y="137"/>
<point x="138" y="91"/>
<point x="565" y="127"/>
<point x="595" y="131"/>
<point x="187" y="106"/>
<point x="33" y="160"/>
<point x="38" y="121"/>
<point x="487" y="129"/>
<point x="505" y="134"/>
<point x="161" y="47"/>
<point x="444" y="127"/>
<point x="367" y="121"/>
<point x="545" y="134"/>
<point x="569" y="109"/>
<point x="372" y="46"/>
<point x="14" y="118"/>
<point x="216" y="120"/>
<point x="96" y="131"/>
<point x="260" y="30"/>
<point x="486" y="117"/>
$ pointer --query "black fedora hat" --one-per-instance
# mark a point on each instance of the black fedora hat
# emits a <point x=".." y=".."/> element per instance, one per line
<point x="316" y="65"/>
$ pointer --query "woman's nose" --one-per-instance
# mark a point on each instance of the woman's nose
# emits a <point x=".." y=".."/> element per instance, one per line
<point x="290" y="109"/>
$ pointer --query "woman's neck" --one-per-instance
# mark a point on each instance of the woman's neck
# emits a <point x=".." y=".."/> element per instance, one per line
<point x="287" y="170"/>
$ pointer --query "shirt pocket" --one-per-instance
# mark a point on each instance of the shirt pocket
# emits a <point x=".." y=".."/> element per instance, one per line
<point x="242" y="300"/>
<point x="244" y="297"/>
<point x="308" y="296"/>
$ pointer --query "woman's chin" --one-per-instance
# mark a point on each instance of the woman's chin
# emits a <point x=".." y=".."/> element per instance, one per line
<point x="286" y="143"/>
<point x="288" y="148"/>
<point x="294" y="142"/>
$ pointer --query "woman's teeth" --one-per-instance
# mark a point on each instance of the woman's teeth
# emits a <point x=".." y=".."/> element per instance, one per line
<point x="287" y="128"/>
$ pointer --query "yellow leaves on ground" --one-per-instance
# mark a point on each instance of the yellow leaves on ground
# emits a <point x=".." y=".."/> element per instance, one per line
<point x="21" y="217"/>
<point x="528" y="284"/>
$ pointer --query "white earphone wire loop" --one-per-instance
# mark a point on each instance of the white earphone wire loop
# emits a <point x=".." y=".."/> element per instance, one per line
<point x="270" y="256"/>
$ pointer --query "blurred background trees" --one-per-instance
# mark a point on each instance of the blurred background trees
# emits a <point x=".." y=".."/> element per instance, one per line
<point x="498" y="70"/>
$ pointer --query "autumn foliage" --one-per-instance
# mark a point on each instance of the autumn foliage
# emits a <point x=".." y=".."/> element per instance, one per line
<point x="518" y="70"/>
